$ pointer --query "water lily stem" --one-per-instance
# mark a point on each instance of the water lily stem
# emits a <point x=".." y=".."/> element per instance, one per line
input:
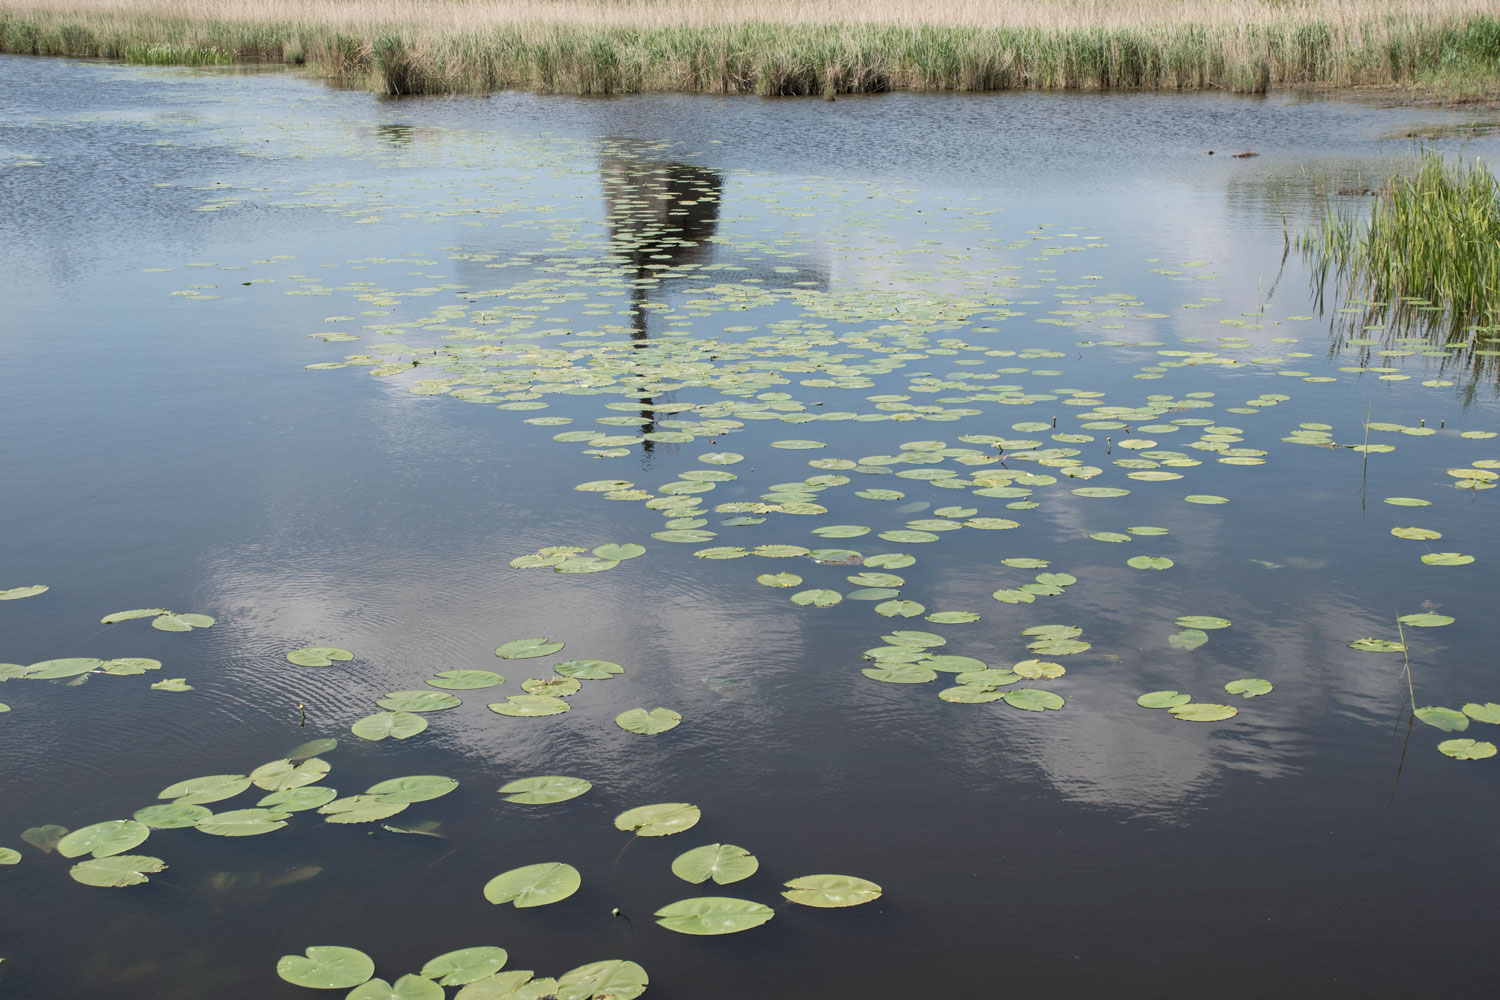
<point x="1411" y="692"/>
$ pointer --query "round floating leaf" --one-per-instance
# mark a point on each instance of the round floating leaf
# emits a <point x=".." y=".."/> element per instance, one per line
<point x="16" y="593"/>
<point x="613" y="979"/>
<point x="950" y="664"/>
<point x="408" y="987"/>
<point x="1416" y="534"/>
<point x="413" y="788"/>
<point x="279" y="775"/>
<point x="172" y="684"/>
<point x="820" y="598"/>
<point x="1202" y="711"/>
<point x="117" y="871"/>
<point x="970" y="694"/>
<point x="713" y="915"/>
<point x="44" y="838"/>
<point x="361" y="809"/>
<point x="901" y="673"/>
<point x="125" y="616"/>
<point x="243" y="822"/>
<point x="71" y="666"/>
<point x="1205" y="498"/>
<point x="1109" y="536"/>
<point x="399" y="725"/>
<point x="544" y="790"/>
<point x="467" y="965"/>
<point x="900" y="609"/>
<point x="299" y="799"/>
<point x="638" y="720"/>
<point x="798" y="444"/>
<point x="1407" y="502"/>
<point x="326" y="967"/>
<point x="1371" y="645"/>
<point x="1249" y="687"/>
<point x="724" y="863"/>
<point x="533" y="885"/>
<point x="1447" y="559"/>
<point x="831" y="891"/>
<point x="181" y="623"/>
<point x="779" y="579"/>
<point x="465" y="680"/>
<point x="524" y="649"/>
<point x="1425" y="620"/>
<point x="891" y="560"/>
<point x="311" y="748"/>
<point x="953" y="617"/>
<point x="1100" y="492"/>
<point x="417" y="701"/>
<point x="9" y="856"/>
<point x="604" y="485"/>
<point x="524" y="706"/>
<point x="583" y="564"/>
<point x="1445" y="719"/>
<point x="1033" y="699"/>
<point x="1163" y="699"/>
<point x="1202" y="622"/>
<point x="126" y="666"/>
<point x="558" y="687"/>
<point x="589" y="670"/>
<point x="1467" y="749"/>
<point x="114" y="836"/>
<point x="1038" y="669"/>
<point x="318" y="656"/>
<point x="721" y="458"/>
<point x="660" y="820"/>
<point x="1149" y="562"/>
<point x="619" y="553"/>
<point x="1489" y="712"/>
<point x="171" y="815"/>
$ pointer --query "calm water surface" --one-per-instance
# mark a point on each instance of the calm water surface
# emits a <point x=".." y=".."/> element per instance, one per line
<point x="169" y="242"/>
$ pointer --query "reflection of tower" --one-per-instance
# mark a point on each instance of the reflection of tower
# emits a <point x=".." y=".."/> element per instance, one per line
<point x="661" y="216"/>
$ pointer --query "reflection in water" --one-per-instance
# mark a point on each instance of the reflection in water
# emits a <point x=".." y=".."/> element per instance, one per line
<point x="395" y="134"/>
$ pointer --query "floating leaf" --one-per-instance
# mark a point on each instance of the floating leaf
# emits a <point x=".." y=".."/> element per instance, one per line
<point x="831" y="891"/>
<point x="1163" y="699"/>
<point x="1425" y="620"/>
<point x="467" y="965"/>
<point x="660" y="820"/>
<point x="1447" y="559"/>
<point x="399" y="725"/>
<point x="417" y="701"/>
<point x="465" y="680"/>
<point x="243" y="822"/>
<point x="613" y="979"/>
<point x="901" y="673"/>
<point x="1038" y="669"/>
<point x="820" y="598"/>
<point x="582" y="564"/>
<point x="172" y="684"/>
<point x="558" y="687"/>
<point x="948" y="663"/>
<point x="544" y="790"/>
<point x="408" y="987"/>
<point x="1407" y="502"/>
<point x="1033" y="699"/>
<point x="1149" y="562"/>
<point x="619" y="553"/>
<point x="413" y="788"/>
<point x="71" y="666"/>
<point x="181" y="623"/>
<point x="326" y="967"/>
<point x="298" y="799"/>
<point x="318" y="656"/>
<point x="713" y="915"/>
<point x="589" y="670"/>
<point x="533" y="885"/>
<point x="529" y="706"/>
<point x="125" y="616"/>
<point x="1205" y="498"/>
<point x="1489" y="712"/>
<point x="1417" y="534"/>
<point x="779" y="579"/>
<point x="638" y="720"/>
<point x="953" y="617"/>
<point x="171" y="815"/>
<point x="209" y="788"/>
<point x="522" y="649"/>
<point x="1249" y="687"/>
<point x="9" y="856"/>
<point x="283" y="774"/>
<point x="1100" y="492"/>
<point x="1202" y="622"/>
<point x="1467" y="749"/>
<point x="360" y="809"/>
<point x="126" y="666"/>
<point x="1202" y="711"/>
<point x="1445" y="719"/>
<point x="1372" y="645"/>
<point x="970" y="694"/>
<point x="16" y="593"/>
<point x="117" y="871"/>
<point x="1109" y="536"/>
<point x="44" y="838"/>
<point x="724" y="863"/>
<point x="114" y="836"/>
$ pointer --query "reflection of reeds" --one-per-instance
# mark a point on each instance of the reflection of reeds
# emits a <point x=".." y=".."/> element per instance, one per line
<point x="787" y="47"/>
<point x="1426" y="260"/>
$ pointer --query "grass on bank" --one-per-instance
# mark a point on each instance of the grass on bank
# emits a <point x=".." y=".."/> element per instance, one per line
<point x="781" y="47"/>
<point x="1430" y="247"/>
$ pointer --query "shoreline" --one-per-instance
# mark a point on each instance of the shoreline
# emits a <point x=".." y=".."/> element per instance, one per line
<point x="1447" y="51"/>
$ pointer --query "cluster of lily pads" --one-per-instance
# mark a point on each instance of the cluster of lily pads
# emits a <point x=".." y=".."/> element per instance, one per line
<point x="477" y="970"/>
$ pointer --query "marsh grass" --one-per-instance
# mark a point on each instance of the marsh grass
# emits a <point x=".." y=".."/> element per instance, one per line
<point x="779" y="47"/>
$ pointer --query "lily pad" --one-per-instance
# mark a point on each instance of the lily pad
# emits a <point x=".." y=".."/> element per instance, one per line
<point x="1447" y="559"/>
<point x="1372" y="645"/>
<point x="1489" y="712"/>
<point x="318" y="656"/>
<point x="125" y="616"/>
<point x="1033" y="699"/>
<point x="1202" y="711"/>
<point x="1202" y="622"/>
<point x="544" y="790"/>
<point x="830" y="891"/>
<point x="525" y="706"/>
<point x="299" y="799"/>
<point x="465" y="680"/>
<point x="724" y="863"/>
<point x="901" y="673"/>
<point x="279" y="775"/>
<point x="181" y="623"/>
<point x="467" y="965"/>
<point x="713" y="915"/>
<point x="659" y="820"/>
<point x="114" y="836"/>
<point x="117" y="871"/>
<point x="619" y="553"/>
<point x="360" y="809"/>
<point x="1445" y="719"/>
<point x="557" y="687"/>
<point x="1149" y="562"/>
<point x="408" y="987"/>
<point x="819" y="598"/>
<point x="9" y="856"/>
<point x="209" y="788"/>
<point x="1467" y="749"/>
<point x="779" y="580"/>
<point x="524" y="649"/>
<point x="612" y="979"/>
<point x="1206" y="499"/>
<point x="1163" y="699"/>
<point x="533" y="885"/>
<point x="1249" y="687"/>
<point x="1425" y="620"/>
<point x="953" y="617"/>
<point x="413" y="788"/>
<point x="243" y="822"/>
<point x="171" y="815"/>
<point x="638" y="720"/>
<point x="397" y="725"/>
<point x="16" y="593"/>
<point x="417" y="701"/>
<point x="589" y="670"/>
<point x="71" y="666"/>
<point x="326" y="967"/>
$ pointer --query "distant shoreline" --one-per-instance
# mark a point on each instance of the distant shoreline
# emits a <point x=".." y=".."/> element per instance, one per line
<point x="1432" y="49"/>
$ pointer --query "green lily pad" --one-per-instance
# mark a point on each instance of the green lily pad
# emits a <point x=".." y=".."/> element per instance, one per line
<point x="1417" y="534"/>
<point x="298" y="799"/>
<point x="16" y="593"/>
<point x="467" y="965"/>
<point x="659" y="820"/>
<point x="311" y="748"/>
<point x="900" y="609"/>
<point x="713" y="915"/>
<point x="127" y="666"/>
<point x="619" y="553"/>
<point x="581" y="564"/>
<point x="1202" y="711"/>
<point x="114" y="836"/>
<point x="819" y="598"/>
<point x="612" y="979"/>
<point x="1445" y="719"/>
<point x="279" y="775"/>
<point x="125" y="616"/>
<point x="408" y="987"/>
<point x="970" y="694"/>
<point x="533" y="885"/>
<point x="243" y="822"/>
<point x="1425" y="620"/>
<point x="9" y="856"/>
<point x="1447" y="559"/>
<point x="172" y="684"/>
<point x="1038" y="669"/>
<point x="1489" y="712"/>
<point x="1149" y="562"/>
<point x="417" y="701"/>
<point x="1467" y="749"/>
<point x="397" y="725"/>
<point x="1372" y="645"/>
<point x="901" y="673"/>
<point x="465" y="680"/>
<point x="523" y="649"/>
<point x="1163" y="699"/>
<point x="724" y="863"/>
<point x="638" y="720"/>
<point x="589" y="670"/>
<point x="181" y="623"/>
<point x="44" y="838"/>
<point x="413" y="788"/>
<point x="953" y="617"/>
<point x="544" y="790"/>
<point x="71" y="666"/>
<point x="1202" y="622"/>
<point x="326" y="967"/>
<point x="557" y="687"/>
<point x="117" y="871"/>
<point x="1205" y="498"/>
<point x="318" y="656"/>
<point x="526" y="706"/>
<point x="830" y="891"/>
<point x="1249" y="687"/>
<point x="1407" y="502"/>
<point x="1033" y="699"/>
<point x="1109" y="536"/>
<point x="1100" y="492"/>
<point x="779" y="580"/>
<point x="171" y="815"/>
<point x="360" y="809"/>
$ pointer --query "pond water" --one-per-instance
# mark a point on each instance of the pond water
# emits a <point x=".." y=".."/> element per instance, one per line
<point x="247" y="319"/>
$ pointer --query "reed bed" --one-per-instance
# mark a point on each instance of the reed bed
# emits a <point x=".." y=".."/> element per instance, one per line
<point x="781" y="47"/>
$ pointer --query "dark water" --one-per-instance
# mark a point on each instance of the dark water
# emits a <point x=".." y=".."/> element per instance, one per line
<point x="171" y="450"/>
